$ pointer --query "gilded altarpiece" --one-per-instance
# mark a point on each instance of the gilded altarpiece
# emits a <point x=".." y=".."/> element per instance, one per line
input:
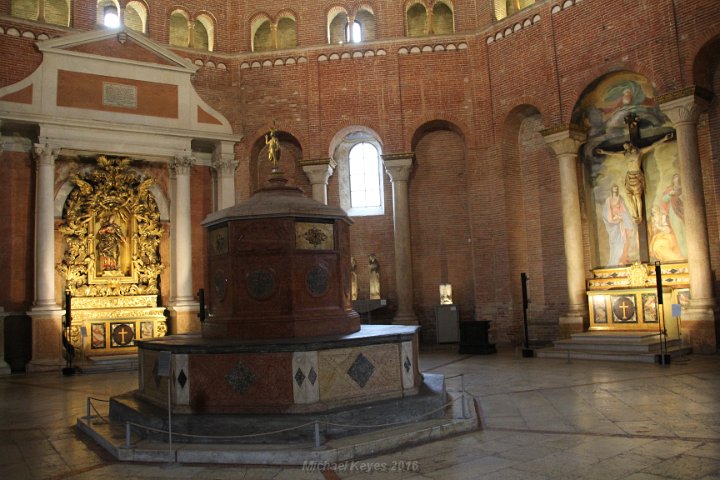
<point x="111" y="264"/>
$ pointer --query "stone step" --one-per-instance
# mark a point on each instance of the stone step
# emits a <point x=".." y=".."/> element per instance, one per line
<point x="602" y="344"/>
<point x="569" y="354"/>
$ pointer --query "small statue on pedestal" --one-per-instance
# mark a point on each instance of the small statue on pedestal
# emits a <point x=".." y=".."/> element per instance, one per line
<point x="353" y="279"/>
<point x="374" y="277"/>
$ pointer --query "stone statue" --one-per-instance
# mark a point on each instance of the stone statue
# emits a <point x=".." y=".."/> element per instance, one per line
<point x="445" y="294"/>
<point x="634" y="178"/>
<point x="374" y="277"/>
<point x="273" y="146"/>
<point x="353" y="279"/>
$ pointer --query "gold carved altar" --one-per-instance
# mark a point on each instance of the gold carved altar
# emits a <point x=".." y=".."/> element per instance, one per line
<point x="111" y="261"/>
<point x="626" y="298"/>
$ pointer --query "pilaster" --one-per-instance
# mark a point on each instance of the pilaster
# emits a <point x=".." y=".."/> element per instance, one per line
<point x="319" y="172"/>
<point x="225" y="164"/>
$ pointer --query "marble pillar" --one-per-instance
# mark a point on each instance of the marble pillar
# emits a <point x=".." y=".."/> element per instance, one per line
<point x="398" y="167"/>
<point x="565" y="141"/>
<point x="184" y="308"/>
<point x="224" y="163"/>
<point x="319" y="172"/>
<point x="45" y="313"/>
<point x="683" y="108"/>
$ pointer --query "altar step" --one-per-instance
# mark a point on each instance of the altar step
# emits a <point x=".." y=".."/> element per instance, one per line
<point x="613" y="346"/>
<point x="108" y="363"/>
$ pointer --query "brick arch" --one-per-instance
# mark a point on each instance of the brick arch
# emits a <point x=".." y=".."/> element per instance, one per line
<point x="343" y="132"/>
<point x="457" y="125"/>
<point x="290" y="145"/>
<point x="178" y="8"/>
<point x="703" y="58"/>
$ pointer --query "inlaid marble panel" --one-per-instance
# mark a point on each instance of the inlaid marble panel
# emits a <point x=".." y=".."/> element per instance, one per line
<point x="306" y="382"/>
<point x="181" y="374"/>
<point x="408" y="365"/>
<point x="349" y="374"/>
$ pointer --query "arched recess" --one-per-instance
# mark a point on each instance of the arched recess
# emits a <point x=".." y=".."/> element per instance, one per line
<point x="618" y="237"/>
<point x="443" y="21"/>
<point x="290" y="155"/>
<point x="440" y="221"/>
<point x="706" y="74"/>
<point x="416" y="20"/>
<point x="136" y="14"/>
<point x="179" y="34"/>
<point x="366" y="17"/>
<point x="261" y="31"/>
<point x="531" y="227"/>
<point x="337" y="19"/>
<point x="27" y="9"/>
<point x="55" y="12"/>
<point x="204" y="32"/>
<point x="286" y="31"/>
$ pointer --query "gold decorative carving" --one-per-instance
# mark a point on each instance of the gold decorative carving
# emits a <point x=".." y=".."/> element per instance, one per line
<point x="637" y="273"/>
<point x="314" y="236"/>
<point x="112" y="233"/>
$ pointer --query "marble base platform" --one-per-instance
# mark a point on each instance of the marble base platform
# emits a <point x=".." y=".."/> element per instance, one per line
<point x="294" y="375"/>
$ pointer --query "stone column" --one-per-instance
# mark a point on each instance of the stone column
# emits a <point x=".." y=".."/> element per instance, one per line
<point x="224" y="163"/>
<point x="565" y="140"/>
<point x="398" y="167"/>
<point x="46" y="314"/>
<point x="698" y="321"/>
<point x="318" y="172"/>
<point x="184" y="304"/>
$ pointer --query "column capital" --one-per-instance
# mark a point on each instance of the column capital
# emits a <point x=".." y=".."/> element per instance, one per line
<point x="181" y="164"/>
<point x="45" y="154"/>
<point x="398" y="166"/>
<point x="564" y="139"/>
<point x="319" y="170"/>
<point x="225" y="165"/>
<point x="685" y="105"/>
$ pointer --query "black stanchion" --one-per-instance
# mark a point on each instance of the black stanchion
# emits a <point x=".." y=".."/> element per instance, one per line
<point x="201" y="299"/>
<point x="69" y="349"/>
<point x="664" y="357"/>
<point x="527" y="352"/>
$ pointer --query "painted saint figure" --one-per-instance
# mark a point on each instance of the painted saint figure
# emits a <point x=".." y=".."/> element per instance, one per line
<point x="674" y="211"/>
<point x="620" y="227"/>
<point x="353" y="279"/>
<point x="273" y="145"/>
<point x="374" y="277"/>
<point x="109" y="237"/>
<point x="634" y="178"/>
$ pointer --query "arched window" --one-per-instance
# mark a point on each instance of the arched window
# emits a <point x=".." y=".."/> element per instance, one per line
<point x="55" y="12"/>
<point x="179" y="30"/>
<point x="108" y="13"/>
<point x="136" y="16"/>
<point x="261" y="35"/>
<point x="353" y="32"/>
<point x="442" y="19"/>
<point x="286" y="32"/>
<point x="365" y="180"/>
<point x="505" y="8"/>
<point x="27" y="9"/>
<point x="416" y="20"/>
<point x="203" y="33"/>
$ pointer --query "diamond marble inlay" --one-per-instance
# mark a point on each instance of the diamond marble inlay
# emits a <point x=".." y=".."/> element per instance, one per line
<point x="299" y="377"/>
<point x="182" y="379"/>
<point x="407" y="364"/>
<point x="361" y="370"/>
<point x="240" y="378"/>
<point x="312" y="376"/>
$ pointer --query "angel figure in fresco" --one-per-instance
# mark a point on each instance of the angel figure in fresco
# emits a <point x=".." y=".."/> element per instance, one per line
<point x="273" y="145"/>
<point x="634" y="178"/>
<point x="620" y="227"/>
<point x="109" y="238"/>
<point x="672" y="206"/>
<point x="663" y="243"/>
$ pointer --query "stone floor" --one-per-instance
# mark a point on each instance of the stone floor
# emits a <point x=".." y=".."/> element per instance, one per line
<point x="542" y="419"/>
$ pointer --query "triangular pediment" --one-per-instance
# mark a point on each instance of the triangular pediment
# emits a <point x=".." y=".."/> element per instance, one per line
<point x="122" y="45"/>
